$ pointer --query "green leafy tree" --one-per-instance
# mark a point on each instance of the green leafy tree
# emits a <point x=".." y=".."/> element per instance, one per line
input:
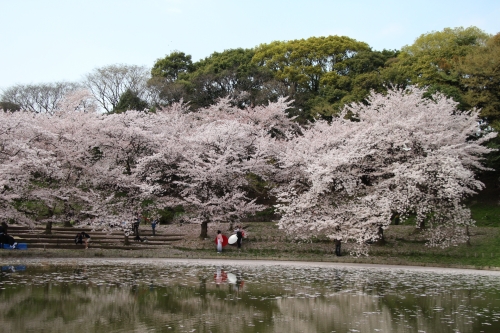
<point x="169" y="82"/>
<point x="130" y="100"/>
<point x="301" y="64"/>
<point x="9" y="106"/>
<point x="432" y="60"/>
<point x="322" y="74"/>
<point x="172" y="66"/>
<point x="351" y="81"/>
<point x="479" y="75"/>
<point x="229" y="73"/>
<point x="164" y="92"/>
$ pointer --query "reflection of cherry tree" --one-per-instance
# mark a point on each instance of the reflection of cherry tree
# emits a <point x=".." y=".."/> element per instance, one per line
<point x="398" y="154"/>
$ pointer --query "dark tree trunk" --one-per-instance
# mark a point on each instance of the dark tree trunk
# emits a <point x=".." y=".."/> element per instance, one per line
<point x="48" y="228"/>
<point x="468" y="236"/>
<point x="69" y="216"/>
<point x="420" y="227"/>
<point x="204" y="230"/>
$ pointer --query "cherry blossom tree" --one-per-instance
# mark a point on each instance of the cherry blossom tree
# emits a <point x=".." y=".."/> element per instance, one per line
<point x="73" y="156"/>
<point x="400" y="153"/>
<point x="216" y="161"/>
<point x="18" y="154"/>
<point x="107" y="165"/>
<point x="207" y="157"/>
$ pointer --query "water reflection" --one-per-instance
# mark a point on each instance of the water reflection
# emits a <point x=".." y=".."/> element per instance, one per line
<point x="174" y="297"/>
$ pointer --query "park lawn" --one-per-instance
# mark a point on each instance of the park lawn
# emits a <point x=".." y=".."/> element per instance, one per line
<point x="483" y="252"/>
<point x="485" y="214"/>
<point x="403" y="246"/>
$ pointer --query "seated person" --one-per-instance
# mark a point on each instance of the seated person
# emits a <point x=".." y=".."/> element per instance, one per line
<point x="5" y="238"/>
<point x="78" y="238"/>
<point x="82" y="238"/>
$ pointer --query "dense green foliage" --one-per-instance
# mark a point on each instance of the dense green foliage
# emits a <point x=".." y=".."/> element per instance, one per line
<point x="322" y="74"/>
<point x="130" y="101"/>
<point x="9" y="106"/>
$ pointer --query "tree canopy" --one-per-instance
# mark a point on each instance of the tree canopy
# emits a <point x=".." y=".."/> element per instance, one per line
<point x="364" y="106"/>
<point x="172" y="66"/>
<point x="399" y="152"/>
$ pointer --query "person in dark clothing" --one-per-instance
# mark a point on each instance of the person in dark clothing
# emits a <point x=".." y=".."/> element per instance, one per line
<point x="239" y="234"/>
<point x="82" y="238"/>
<point x="78" y="238"/>
<point x="6" y="238"/>
<point x="135" y="226"/>
<point x="337" y="247"/>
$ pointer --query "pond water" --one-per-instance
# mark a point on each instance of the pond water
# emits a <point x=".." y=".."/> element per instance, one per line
<point x="157" y="295"/>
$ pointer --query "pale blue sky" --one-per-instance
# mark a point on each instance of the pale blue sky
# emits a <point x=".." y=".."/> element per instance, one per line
<point x="62" y="40"/>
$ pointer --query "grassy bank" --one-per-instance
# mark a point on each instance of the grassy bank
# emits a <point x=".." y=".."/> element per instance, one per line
<point x="265" y="241"/>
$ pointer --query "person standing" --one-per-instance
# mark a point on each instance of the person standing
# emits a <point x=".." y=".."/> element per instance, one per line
<point x="239" y="235"/>
<point x="220" y="239"/>
<point x="153" y="226"/>
<point x="337" y="242"/>
<point x="136" y="224"/>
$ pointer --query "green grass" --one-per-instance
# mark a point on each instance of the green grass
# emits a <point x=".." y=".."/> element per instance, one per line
<point x="485" y="215"/>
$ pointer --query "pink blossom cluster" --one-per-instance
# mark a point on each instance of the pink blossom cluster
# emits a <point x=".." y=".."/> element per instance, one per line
<point x="397" y="154"/>
<point x="106" y="166"/>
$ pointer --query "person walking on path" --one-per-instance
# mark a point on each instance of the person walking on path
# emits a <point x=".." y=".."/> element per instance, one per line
<point x="220" y="239"/>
